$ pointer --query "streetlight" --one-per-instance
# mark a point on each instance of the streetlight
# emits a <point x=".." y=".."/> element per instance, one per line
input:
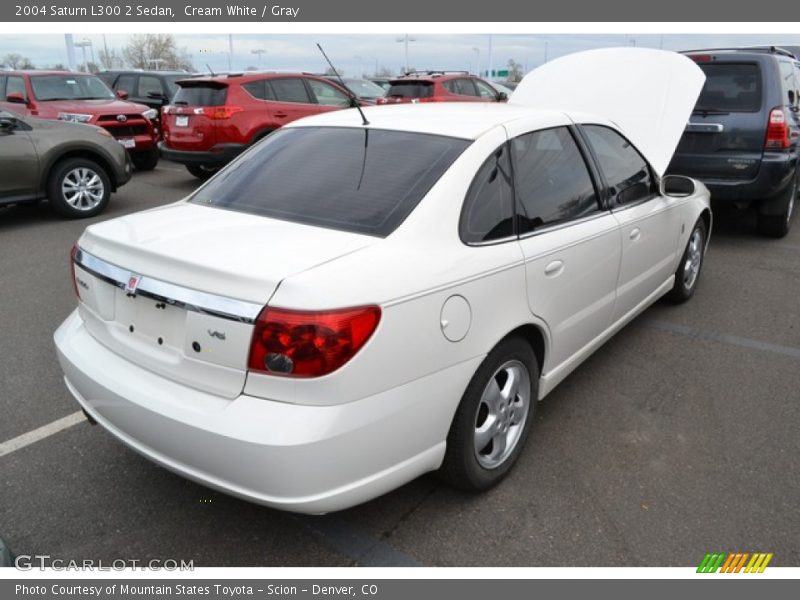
<point x="405" y="39"/>
<point x="477" y="61"/>
<point x="156" y="62"/>
<point x="82" y="45"/>
<point x="258" y="51"/>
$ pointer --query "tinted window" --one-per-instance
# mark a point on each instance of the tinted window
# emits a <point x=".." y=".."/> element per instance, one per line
<point x="410" y="89"/>
<point x="625" y="171"/>
<point x="260" y="89"/>
<point x="327" y="95"/>
<point x="462" y="87"/>
<point x="126" y="83"/>
<point x="730" y="87"/>
<point x="202" y="94"/>
<point x="789" y="85"/>
<point x="16" y="85"/>
<point x="149" y="84"/>
<point x="290" y="90"/>
<point x="488" y="212"/>
<point x="485" y="90"/>
<point x="552" y="182"/>
<point x="69" y="87"/>
<point x="352" y="179"/>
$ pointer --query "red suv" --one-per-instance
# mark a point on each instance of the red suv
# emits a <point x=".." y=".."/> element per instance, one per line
<point x="83" y="98"/>
<point x="440" y="86"/>
<point x="213" y="119"/>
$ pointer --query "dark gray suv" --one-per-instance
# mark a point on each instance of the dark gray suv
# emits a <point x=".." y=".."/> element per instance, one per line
<point x="742" y="138"/>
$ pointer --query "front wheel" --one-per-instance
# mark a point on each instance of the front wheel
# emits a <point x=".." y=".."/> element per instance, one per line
<point x="691" y="262"/>
<point x="492" y="422"/>
<point x="78" y="188"/>
<point x="145" y="160"/>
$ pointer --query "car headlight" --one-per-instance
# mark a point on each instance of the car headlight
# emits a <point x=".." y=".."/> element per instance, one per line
<point x="74" y="117"/>
<point x="151" y="114"/>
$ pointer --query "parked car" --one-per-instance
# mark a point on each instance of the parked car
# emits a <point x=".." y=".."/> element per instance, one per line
<point x="213" y="119"/>
<point x="75" y="167"/>
<point x="366" y="91"/>
<point x="382" y="82"/>
<point x="440" y="86"/>
<point x="742" y="138"/>
<point x="152" y="88"/>
<point x="349" y="305"/>
<point x="83" y="98"/>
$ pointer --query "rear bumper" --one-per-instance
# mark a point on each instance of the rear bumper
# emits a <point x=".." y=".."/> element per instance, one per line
<point x="773" y="178"/>
<point x="311" y="459"/>
<point x="217" y="156"/>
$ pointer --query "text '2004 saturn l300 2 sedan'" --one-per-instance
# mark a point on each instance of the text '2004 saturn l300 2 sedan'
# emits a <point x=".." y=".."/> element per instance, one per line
<point x="365" y="297"/>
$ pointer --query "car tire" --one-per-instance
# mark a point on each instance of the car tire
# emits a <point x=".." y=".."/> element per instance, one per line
<point x="201" y="172"/>
<point x="78" y="188"/>
<point x="145" y="160"/>
<point x="688" y="272"/>
<point x="492" y="421"/>
<point x="777" y="226"/>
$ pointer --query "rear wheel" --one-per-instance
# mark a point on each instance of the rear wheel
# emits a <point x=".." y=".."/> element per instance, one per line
<point x="689" y="268"/>
<point x="78" y="188"/>
<point x="145" y="160"/>
<point x="777" y="226"/>
<point x="492" y="422"/>
<point x="201" y="171"/>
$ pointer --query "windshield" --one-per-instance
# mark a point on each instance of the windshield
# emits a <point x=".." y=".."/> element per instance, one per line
<point x="352" y="179"/>
<point x="70" y="87"/>
<point x="364" y="88"/>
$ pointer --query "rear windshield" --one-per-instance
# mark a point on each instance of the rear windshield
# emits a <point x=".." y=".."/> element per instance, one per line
<point x="201" y="95"/>
<point x="410" y="89"/>
<point x="730" y="87"/>
<point x="352" y="179"/>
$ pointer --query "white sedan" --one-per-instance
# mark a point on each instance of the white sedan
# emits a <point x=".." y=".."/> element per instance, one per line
<point x="348" y="306"/>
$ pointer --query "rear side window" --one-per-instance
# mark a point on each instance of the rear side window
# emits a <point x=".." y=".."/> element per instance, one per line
<point x="260" y="90"/>
<point x="290" y="90"/>
<point x="552" y="181"/>
<point x="626" y="172"/>
<point x="488" y="212"/>
<point x="410" y="89"/>
<point x="730" y="87"/>
<point x="201" y="95"/>
<point x="350" y="179"/>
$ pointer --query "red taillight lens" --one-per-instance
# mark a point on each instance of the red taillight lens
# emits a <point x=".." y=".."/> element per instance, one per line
<point x="225" y="112"/>
<point x="72" y="254"/>
<point x="299" y="343"/>
<point x="701" y="58"/>
<point x="777" y="130"/>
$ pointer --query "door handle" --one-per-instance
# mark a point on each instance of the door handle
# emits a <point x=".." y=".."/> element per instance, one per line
<point x="554" y="269"/>
<point x="635" y="234"/>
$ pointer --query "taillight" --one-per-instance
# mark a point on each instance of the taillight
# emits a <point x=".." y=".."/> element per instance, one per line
<point x="225" y="112"/>
<point x="72" y="254"/>
<point x="777" y="130"/>
<point x="298" y="343"/>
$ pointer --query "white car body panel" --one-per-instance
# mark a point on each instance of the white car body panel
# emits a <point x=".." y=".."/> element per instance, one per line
<point x="652" y="93"/>
<point x="325" y="443"/>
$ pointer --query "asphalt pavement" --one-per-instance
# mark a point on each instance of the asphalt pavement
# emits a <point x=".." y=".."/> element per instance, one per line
<point x="680" y="436"/>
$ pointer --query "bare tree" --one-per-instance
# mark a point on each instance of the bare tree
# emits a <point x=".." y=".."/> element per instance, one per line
<point x="514" y="70"/>
<point x="17" y="61"/>
<point x="385" y="72"/>
<point x="144" y="49"/>
<point x="109" y="59"/>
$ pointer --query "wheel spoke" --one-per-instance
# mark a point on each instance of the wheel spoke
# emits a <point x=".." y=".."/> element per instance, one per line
<point x="492" y="397"/>
<point x="511" y="387"/>
<point x="486" y="432"/>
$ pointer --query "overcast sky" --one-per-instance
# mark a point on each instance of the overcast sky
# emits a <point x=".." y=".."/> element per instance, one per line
<point x="357" y="53"/>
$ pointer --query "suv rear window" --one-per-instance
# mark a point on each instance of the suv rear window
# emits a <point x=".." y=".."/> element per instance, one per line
<point x="411" y="89"/>
<point x="352" y="179"/>
<point x="201" y="94"/>
<point x="730" y="87"/>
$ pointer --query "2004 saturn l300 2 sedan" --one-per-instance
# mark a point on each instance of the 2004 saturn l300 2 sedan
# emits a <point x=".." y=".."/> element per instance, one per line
<point x="351" y="304"/>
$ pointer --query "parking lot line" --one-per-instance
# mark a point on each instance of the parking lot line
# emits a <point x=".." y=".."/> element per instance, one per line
<point x="31" y="437"/>
<point x="723" y="338"/>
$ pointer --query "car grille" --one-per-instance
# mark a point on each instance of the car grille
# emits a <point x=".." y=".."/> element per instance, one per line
<point x="133" y="125"/>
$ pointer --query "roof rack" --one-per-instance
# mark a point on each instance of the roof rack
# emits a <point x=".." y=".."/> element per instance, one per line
<point x="434" y="73"/>
<point x="764" y="49"/>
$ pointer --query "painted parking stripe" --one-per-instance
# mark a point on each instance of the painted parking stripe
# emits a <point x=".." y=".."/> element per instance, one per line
<point x="26" y="439"/>
<point x="723" y="338"/>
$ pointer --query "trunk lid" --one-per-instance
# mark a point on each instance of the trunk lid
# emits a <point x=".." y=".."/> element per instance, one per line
<point x="176" y="289"/>
<point x="189" y="122"/>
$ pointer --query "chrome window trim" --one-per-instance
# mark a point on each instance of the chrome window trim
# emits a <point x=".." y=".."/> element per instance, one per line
<point x="170" y="293"/>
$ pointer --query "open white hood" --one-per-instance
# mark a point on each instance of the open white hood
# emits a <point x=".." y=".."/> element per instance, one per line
<point x="649" y="94"/>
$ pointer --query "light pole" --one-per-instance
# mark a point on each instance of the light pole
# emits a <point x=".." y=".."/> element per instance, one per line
<point x="82" y="45"/>
<point x="405" y="39"/>
<point x="260" y="52"/>
<point x="477" y="61"/>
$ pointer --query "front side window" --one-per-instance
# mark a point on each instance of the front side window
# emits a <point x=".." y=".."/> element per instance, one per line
<point x="552" y="181"/>
<point x="149" y="85"/>
<point x="126" y="83"/>
<point x="488" y="212"/>
<point x="327" y="95"/>
<point x="16" y="85"/>
<point x="485" y="90"/>
<point x="626" y="172"/>
<point x="351" y="179"/>
<point x="290" y="90"/>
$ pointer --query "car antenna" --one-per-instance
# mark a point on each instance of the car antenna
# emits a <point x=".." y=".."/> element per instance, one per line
<point x="353" y="97"/>
<point x="210" y="71"/>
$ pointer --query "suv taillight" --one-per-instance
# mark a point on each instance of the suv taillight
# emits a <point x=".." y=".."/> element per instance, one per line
<point x="299" y="343"/>
<point x="72" y="254"/>
<point x="225" y="112"/>
<point x="777" y="130"/>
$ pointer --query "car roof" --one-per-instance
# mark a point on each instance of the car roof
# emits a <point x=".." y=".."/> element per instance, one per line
<point x="247" y="76"/>
<point x="467" y="120"/>
<point x="33" y="72"/>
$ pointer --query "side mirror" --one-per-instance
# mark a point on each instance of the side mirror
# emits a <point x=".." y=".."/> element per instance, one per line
<point x="16" y="98"/>
<point x="502" y="97"/>
<point x="122" y="94"/>
<point x="676" y="186"/>
<point x="7" y="124"/>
